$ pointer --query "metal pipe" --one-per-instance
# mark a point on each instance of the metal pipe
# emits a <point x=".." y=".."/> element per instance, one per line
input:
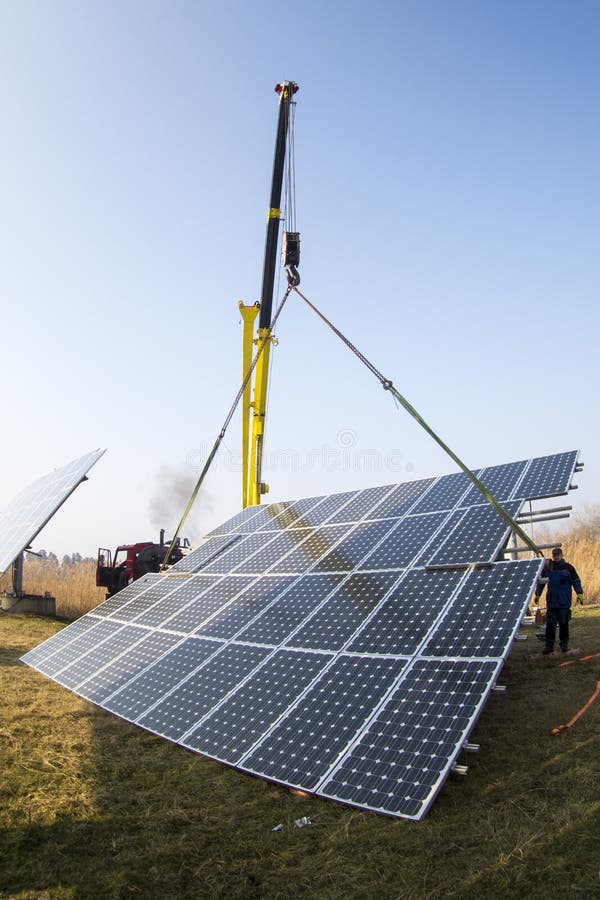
<point x="531" y="520"/>
<point x="541" y="512"/>
<point x="524" y="549"/>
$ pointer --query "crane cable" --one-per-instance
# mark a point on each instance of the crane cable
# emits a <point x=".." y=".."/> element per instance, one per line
<point x="389" y="386"/>
<point x="228" y="419"/>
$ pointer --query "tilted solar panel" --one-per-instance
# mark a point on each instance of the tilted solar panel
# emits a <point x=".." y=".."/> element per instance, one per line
<point x="343" y="644"/>
<point x="27" y="513"/>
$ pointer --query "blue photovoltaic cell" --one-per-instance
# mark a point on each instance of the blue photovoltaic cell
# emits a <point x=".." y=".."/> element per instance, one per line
<point x="499" y="480"/>
<point x="198" y="558"/>
<point x="81" y="643"/>
<point x="88" y="663"/>
<point x="257" y="596"/>
<point x="484" y="615"/>
<point x="307" y="642"/>
<point x="122" y="668"/>
<point x="316" y="731"/>
<point x="403" y="544"/>
<point x="240" y="551"/>
<point x="232" y="525"/>
<point x="201" y="690"/>
<point x="326" y="509"/>
<point x="444" y="495"/>
<point x="293" y="515"/>
<point x="400" y="761"/>
<point x="154" y="594"/>
<point x="203" y="608"/>
<point x="116" y="602"/>
<point x="274" y="552"/>
<point x="547" y="476"/>
<point x="306" y="554"/>
<point x="405" y="617"/>
<point x="154" y="682"/>
<point x="401" y="499"/>
<point x="282" y="617"/>
<point x="349" y="552"/>
<point x="184" y="589"/>
<point x="477" y="537"/>
<point x="361" y="505"/>
<point x="336" y="621"/>
<point x="238" y="723"/>
<point x="64" y="638"/>
<point x="266" y="516"/>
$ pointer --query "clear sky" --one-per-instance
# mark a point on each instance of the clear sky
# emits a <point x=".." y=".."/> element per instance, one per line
<point x="448" y="197"/>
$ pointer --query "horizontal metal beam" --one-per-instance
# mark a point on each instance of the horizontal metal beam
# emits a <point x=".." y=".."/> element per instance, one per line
<point x="542" y="512"/>
<point x="531" y="520"/>
<point x="523" y="549"/>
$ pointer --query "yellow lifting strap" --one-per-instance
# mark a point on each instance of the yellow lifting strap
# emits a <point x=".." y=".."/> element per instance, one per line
<point x="388" y="386"/>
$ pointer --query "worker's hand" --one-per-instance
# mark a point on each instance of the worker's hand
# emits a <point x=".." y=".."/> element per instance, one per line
<point x="580" y="598"/>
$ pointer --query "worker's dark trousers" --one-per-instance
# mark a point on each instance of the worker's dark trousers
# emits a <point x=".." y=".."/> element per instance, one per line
<point x="560" y="616"/>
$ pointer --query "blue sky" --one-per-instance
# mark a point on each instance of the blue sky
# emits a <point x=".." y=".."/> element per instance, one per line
<point x="448" y="199"/>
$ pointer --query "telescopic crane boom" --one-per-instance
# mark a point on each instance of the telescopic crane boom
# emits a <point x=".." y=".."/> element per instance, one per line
<point x="253" y="412"/>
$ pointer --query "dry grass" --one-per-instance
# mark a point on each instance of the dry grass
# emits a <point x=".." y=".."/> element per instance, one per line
<point x="581" y="547"/>
<point x="92" y="807"/>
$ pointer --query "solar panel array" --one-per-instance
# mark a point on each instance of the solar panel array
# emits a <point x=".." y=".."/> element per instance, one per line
<point x="27" y="513"/>
<point x="343" y="644"/>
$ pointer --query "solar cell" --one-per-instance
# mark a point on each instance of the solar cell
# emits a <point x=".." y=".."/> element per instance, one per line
<point x="484" y="615"/>
<point x="236" y="725"/>
<point x="320" y="541"/>
<point x="27" y="513"/>
<point x="274" y="624"/>
<point x="316" y="647"/>
<point x="114" y="603"/>
<point x="178" y="711"/>
<point x="209" y="602"/>
<point x="64" y="638"/>
<point x="334" y="623"/>
<point x="318" y="728"/>
<point x="177" y="601"/>
<point x="547" y="476"/>
<point x="477" y="537"/>
<point x="121" y="668"/>
<point x="400" y="760"/>
<point x="327" y="508"/>
<point x="444" y="495"/>
<point x="88" y="663"/>
<point x="257" y="595"/>
<point x="361" y="504"/>
<point x="402" y="498"/>
<point x="198" y="558"/>
<point x="159" y="677"/>
<point x="408" y="613"/>
<point x="400" y="547"/>
<point x="500" y="480"/>
<point x="352" y="549"/>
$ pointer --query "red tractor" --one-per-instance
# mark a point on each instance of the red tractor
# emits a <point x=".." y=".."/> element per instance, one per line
<point x="131" y="561"/>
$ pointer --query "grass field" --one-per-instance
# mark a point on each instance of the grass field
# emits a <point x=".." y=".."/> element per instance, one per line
<point x="93" y="807"/>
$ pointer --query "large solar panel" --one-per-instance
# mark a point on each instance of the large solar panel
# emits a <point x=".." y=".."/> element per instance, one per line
<point x="342" y="644"/>
<point x="27" y="513"/>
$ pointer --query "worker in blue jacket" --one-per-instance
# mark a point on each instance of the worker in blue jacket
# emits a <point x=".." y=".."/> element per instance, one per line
<point x="562" y="580"/>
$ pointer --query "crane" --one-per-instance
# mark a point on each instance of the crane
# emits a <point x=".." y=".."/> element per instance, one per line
<point x="254" y="397"/>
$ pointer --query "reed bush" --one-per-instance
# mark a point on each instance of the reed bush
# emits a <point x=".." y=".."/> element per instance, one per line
<point x="73" y="586"/>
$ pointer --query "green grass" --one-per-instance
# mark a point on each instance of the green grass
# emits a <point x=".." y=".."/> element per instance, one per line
<point x="93" y="807"/>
